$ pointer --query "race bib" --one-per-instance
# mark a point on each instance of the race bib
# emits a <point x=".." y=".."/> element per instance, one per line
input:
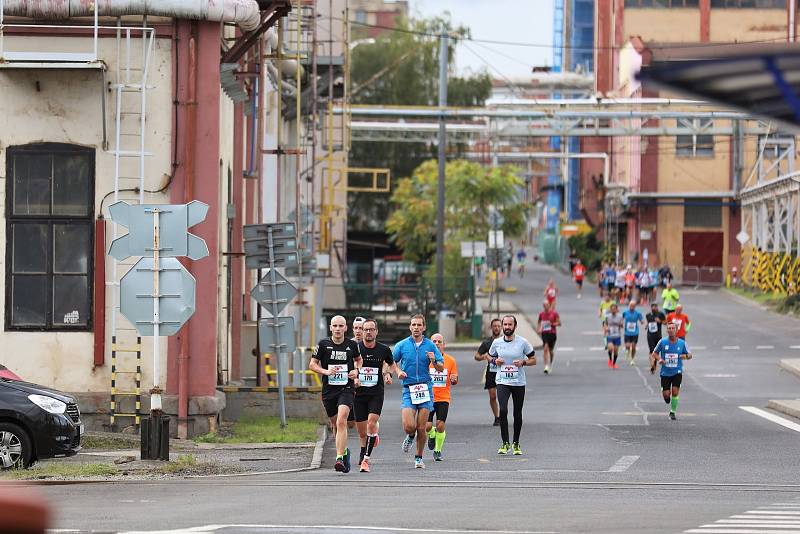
<point x="420" y="394"/>
<point x="671" y="360"/>
<point x="368" y="376"/>
<point x="493" y="367"/>
<point x="339" y="376"/>
<point x="551" y="293"/>
<point x="508" y="374"/>
<point x="677" y="323"/>
<point x="630" y="327"/>
<point x="652" y="327"/>
<point x="613" y="331"/>
<point x="546" y="326"/>
<point x="439" y="379"/>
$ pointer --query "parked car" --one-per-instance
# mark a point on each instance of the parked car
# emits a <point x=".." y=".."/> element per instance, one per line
<point x="36" y="423"/>
<point x="5" y="372"/>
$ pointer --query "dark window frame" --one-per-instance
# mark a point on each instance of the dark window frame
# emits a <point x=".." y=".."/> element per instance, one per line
<point x="708" y="214"/>
<point x="51" y="221"/>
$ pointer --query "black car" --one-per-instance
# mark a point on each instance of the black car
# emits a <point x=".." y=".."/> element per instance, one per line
<point x="36" y="423"/>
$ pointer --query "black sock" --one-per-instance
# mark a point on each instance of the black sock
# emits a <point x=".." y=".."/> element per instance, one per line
<point x="609" y="355"/>
<point x="364" y="450"/>
<point x="615" y="357"/>
<point x="370" y="444"/>
<point x="412" y="436"/>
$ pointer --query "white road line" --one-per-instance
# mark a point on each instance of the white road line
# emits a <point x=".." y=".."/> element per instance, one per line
<point x="698" y="347"/>
<point x="774" y="512"/>
<point x="772" y="417"/>
<point x="566" y="349"/>
<point x="719" y="375"/>
<point x="765" y="347"/>
<point x="623" y="464"/>
<point x="794" y="346"/>
<point x="760" y="522"/>
<point x="335" y="528"/>
<point x="596" y="348"/>
<point x="723" y="530"/>
<point x="731" y="347"/>
<point x="778" y="518"/>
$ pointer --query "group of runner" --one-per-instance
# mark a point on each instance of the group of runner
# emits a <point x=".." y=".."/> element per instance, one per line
<point x="625" y="283"/>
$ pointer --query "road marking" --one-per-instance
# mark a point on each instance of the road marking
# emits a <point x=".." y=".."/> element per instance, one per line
<point x="760" y="521"/>
<point x="774" y="512"/>
<point x="765" y="347"/>
<point x="721" y="529"/>
<point x="594" y="349"/>
<point x="623" y="464"/>
<point x="794" y="346"/>
<point x="719" y="375"/>
<point x="731" y="347"/>
<point x="772" y="417"/>
<point x="698" y="347"/>
<point x="779" y="519"/>
<point x="566" y="349"/>
<point x="336" y="528"/>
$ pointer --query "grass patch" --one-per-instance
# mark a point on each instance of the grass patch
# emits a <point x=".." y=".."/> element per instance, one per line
<point x="758" y="296"/>
<point x="188" y="464"/>
<point x="264" y="430"/>
<point x="111" y="442"/>
<point x="185" y="462"/>
<point x="61" y="470"/>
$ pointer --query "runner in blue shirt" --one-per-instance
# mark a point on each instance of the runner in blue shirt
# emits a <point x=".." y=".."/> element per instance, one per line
<point x="414" y="355"/>
<point x="632" y="318"/>
<point x="670" y="353"/>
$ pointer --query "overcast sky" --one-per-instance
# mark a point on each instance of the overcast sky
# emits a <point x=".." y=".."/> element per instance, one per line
<point x="527" y="21"/>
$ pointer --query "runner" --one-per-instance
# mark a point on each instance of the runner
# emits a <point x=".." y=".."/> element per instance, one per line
<point x="619" y="284"/>
<point x="521" y="256"/>
<point x="442" y="380"/>
<point x="610" y="278"/>
<point x="551" y="293"/>
<point x="337" y="359"/>
<point x="358" y="323"/>
<point x="491" y="370"/>
<point x="578" y="272"/>
<point x="670" y="297"/>
<point x="632" y="318"/>
<point x="654" y="321"/>
<point x="643" y="285"/>
<point x="414" y="355"/>
<point x="601" y="279"/>
<point x="612" y="327"/>
<point x="630" y="282"/>
<point x="546" y="327"/>
<point x="681" y="320"/>
<point x="605" y="307"/>
<point x="368" y="401"/>
<point x="511" y="353"/>
<point x="670" y="353"/>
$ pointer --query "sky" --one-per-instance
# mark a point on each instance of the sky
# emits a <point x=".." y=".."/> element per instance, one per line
<point x="526" y="21"/>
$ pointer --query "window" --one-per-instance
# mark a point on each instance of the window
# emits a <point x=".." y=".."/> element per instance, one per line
<point x="749" y="4"/>
<point x="49" y="236"/>
<point x="361" y="16"/>
<point x="707" y="215"/>
<point x="662" y="3"/>
<point x="692" y="145"/>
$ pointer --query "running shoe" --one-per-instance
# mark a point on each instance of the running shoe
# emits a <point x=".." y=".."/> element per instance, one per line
<point x="339" y="465"/>
<point x="546" y="370"/>
<point x="418" y="463"/>
<point x="437" y="456"/>
<point x="347" y="460"/>
<point x="610" y="365"/>
<point x="614" y="366"/>
<point x="632" y="363"/>
<point x="517" y="451"/>
<point x="407" y="443"/>
<point x="672" y="415"/>
<point x="365" y="465"/>
<point x="496" y="421"/>
<point x="431" y="443"/>
<point x="504" y="449"/>
<point x="652" y="370"/>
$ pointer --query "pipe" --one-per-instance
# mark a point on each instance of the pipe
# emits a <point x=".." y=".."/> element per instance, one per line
<point x="245" y="13"/>
<point x="188" y="194"/>
<point x="99" y="318"/>
<point x="287" y="66"/>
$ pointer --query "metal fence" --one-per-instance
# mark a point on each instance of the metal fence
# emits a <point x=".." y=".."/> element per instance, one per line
<point x="702" y="276"/>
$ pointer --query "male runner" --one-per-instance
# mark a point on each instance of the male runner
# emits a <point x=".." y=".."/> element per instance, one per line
<point x="619" y="283"/>
<point x="670" y="353"/>
<point x="442" y="380"/>
<point x="612" y="328"/>
<point x="368" y="401"/>
<point x="511" y="353"/>
<point x="546" y="327"/>
<point x="337" y="359"/>
<point x="491" y="370"/>
<point x="681" y="320"/>
<point x="358" y="329"/>
<point x="414" y="355"/>
<point x="670" y="297"/>
<point x="632" y="318"/>
<point x="578" y="272"/>
<point x="655" y="319"/>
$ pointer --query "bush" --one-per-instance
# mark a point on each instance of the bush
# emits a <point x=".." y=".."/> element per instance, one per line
<point x="588" y="248"/>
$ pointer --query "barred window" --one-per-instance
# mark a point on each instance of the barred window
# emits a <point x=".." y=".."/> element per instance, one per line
<point x="697" y="144"/>
<point x="707" y="215"/>
<point x="662" y="3"/>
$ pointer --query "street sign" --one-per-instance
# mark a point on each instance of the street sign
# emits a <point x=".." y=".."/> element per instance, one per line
<point x="496" y="219"/>
<point x="284" y="292"/>
<point x="495" y="239"/>
<point x="174" y="223"/>
<point x="176" y="295"/>
<point x="470" y="249"/>
<point x="257" y="245"/>
<point x="276" y="335"/>
<point x="742" y="237"/>
<point x="495" y="258"/>
<point x="309" y="266"/>
<point x="279" y="230"/>
<point x="261" y="261"/>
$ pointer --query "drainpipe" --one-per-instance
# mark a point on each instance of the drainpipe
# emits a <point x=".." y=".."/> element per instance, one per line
<point x="99" y="319"/>
<point x="188" y="194"/>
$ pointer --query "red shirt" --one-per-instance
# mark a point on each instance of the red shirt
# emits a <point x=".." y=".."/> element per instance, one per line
<point x="548" y="321"/>
<point x="681" y="320"/>
<point x="579" y="271"/>
<point x="551" y="293"/>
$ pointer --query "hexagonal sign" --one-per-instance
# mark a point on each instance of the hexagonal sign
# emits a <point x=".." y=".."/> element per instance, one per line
<point x="176" y="296"/>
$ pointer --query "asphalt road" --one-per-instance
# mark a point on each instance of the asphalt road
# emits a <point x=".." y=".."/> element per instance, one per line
<point x="600" y="454"/>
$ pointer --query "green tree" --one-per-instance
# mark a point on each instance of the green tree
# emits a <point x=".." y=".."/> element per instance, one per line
<point x="402" y="68"/>
<point x="471" y="191"/>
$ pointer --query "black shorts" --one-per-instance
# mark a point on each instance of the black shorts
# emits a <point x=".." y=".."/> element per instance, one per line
<point x="363" y="405"/>
<point x="669" y="382"/>
<point x="631" y="339"/>
<point x="440" y="410"/>
<point x="344" y="397"/>
<point x="490" y="380"/>
<point x="549" y="339"/>
<point x="579" y="282"/>
<point x="652" y="341"/>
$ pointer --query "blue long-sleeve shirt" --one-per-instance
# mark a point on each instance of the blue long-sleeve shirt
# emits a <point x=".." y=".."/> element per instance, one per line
<point x="413" y="359"/>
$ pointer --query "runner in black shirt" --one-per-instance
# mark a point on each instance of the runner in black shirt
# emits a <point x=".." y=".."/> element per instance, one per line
<point x="368" y="403"/>
<point x="655" y="319"/>
<point x="337" y="359"/>
<point x="491" y="372"/>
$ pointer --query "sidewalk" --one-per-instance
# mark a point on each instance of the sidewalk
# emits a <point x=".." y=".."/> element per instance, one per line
<point x="788" y="407"/>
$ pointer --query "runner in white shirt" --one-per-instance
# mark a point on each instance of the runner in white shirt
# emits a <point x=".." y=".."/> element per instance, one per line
<point x="511" y="354"/>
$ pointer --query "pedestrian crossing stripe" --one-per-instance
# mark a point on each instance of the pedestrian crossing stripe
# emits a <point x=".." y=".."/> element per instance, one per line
<point x="772" y="519"/>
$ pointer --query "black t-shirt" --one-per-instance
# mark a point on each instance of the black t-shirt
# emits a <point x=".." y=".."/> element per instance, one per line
<point x="651" y="318"/>
<point x="329" y="353"/>
<point x="484" y="348"/>
<point x="373" y="360"/>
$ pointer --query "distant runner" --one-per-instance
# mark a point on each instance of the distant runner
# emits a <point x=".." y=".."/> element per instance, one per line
<point x="670" y="353"/>
<point x="551" y="293"/>
<point x="655" y="319"/>
<point x="491" y="370"/>
<point x="578" y="272"/>
<point x="681" y="320"/>
<point x="546" y="327"/>
<point x="612" y="327"/>
<point x="442" y="380"/>
<point x="633" y="318"/>
<point x="670" y="297"/>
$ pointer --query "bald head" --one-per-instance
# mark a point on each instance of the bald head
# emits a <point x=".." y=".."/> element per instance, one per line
<point x="338" y="328"/>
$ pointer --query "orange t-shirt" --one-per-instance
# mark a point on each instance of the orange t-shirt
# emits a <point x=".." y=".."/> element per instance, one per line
<point x="681" y="319"/>
<point x="441" y="381"/>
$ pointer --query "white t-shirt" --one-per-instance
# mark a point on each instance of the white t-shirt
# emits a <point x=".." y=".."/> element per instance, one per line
<point x="516" y="349"/>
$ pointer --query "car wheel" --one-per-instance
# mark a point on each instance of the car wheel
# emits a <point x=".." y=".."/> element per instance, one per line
<point x="15" y="447"/>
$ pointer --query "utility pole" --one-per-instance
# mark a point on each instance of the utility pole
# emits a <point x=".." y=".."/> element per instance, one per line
<point x="443" y="57"/>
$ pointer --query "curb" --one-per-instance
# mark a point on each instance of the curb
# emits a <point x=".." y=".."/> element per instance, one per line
<point x="791" y="365"/>
<point x="786" y="407"/>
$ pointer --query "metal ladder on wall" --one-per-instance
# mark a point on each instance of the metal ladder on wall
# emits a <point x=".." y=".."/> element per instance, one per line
<point x="134" y="47"/>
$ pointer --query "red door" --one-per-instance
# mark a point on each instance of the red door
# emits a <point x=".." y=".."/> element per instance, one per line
<point x="702" y="257"/>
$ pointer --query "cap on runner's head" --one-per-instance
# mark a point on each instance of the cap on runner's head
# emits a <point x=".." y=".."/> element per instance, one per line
<point x="358" y="320"/>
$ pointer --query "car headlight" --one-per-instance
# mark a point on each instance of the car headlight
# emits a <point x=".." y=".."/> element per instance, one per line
<point x="48" y="404"/>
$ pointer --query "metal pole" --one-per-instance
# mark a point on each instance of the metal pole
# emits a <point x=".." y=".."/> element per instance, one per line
<point x="442" y="156"/>
<point x="155" y="393"/>
<point x="276" y="349"/>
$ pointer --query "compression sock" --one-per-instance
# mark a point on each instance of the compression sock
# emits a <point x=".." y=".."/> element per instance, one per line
<point x="364" y="451"/>
<point x="673" y="405"/>
<point x="370" y="444"/>
<point x="667" y="400"/>
<point x="431" y="433"/>
<point x="440" y="441"/>
<point x="615" y="358"/>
